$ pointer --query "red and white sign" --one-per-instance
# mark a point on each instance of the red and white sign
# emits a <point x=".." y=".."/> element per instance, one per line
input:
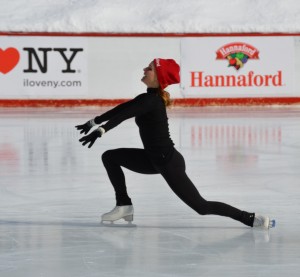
<point x="237" y="67"/>
<point x="213" y="69"/>
<point x="43" y="67"/>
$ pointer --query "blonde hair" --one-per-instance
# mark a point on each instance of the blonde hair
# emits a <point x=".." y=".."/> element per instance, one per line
<point x="166" y="97"/>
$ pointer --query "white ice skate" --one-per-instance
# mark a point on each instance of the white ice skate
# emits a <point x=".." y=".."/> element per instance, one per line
<point x="261" y="221"/>
<point x="119" y="212"/>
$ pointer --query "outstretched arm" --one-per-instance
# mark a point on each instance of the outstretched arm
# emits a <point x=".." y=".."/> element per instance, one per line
<point x="139" y="105"/>
<point x="86" y="127"/>
<point x="112" y="112"/>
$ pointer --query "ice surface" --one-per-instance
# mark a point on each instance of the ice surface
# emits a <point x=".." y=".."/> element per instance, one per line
<point x="53" y="191"/>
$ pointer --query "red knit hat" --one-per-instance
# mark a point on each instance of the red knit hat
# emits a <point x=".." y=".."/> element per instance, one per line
<point x="167" y="72"/>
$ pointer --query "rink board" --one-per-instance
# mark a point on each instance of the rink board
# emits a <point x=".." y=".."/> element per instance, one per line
<point x="105" y="69"/>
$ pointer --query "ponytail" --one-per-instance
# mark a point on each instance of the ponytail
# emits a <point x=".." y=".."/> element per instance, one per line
<point x="166" y="97"/>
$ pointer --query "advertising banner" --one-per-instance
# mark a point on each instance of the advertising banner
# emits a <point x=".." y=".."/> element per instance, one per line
<point x="54" y="67"/>
<point x="214" y="67"/>
<point x="83" y="68"/>
<point x="43" y="67"/>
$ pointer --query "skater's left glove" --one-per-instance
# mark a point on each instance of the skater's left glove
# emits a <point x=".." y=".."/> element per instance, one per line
<point x="91" y="138"/>
<point x="86" y="127"/>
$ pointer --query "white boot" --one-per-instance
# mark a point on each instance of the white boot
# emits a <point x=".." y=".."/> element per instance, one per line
<point x="119" y="212"/>
<point x="261" y="221"/>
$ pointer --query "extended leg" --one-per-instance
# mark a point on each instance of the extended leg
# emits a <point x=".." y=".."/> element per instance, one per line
<point x="179" y="182"/>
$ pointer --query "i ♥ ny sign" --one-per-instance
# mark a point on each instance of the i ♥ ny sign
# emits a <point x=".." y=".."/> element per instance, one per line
<point x="9" y="58"/>
<point x="43" y="67"/>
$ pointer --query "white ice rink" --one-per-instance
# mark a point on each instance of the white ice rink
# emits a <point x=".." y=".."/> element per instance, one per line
<point x="53" y="191"/>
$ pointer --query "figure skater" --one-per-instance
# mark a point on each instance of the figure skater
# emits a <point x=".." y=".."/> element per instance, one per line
<point x="159" y="155"/>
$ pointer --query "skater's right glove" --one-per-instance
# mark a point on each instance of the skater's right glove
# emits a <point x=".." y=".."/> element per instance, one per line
<point x="91" y="138"/>
<point x="86" y="127"/>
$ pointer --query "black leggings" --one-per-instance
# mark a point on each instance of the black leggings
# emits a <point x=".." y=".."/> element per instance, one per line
<point x="173" y="172"/>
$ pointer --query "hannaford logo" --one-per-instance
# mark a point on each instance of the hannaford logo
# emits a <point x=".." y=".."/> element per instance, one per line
<point x="237" y="54"/>
<point x="200" y="79"/>
<point x="9" y="58"/>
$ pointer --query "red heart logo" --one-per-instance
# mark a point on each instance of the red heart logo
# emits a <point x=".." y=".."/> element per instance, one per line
<point x="9" y="58"/>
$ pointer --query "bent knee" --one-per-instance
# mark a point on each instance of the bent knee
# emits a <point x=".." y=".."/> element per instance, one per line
<point x="107" y="156"/>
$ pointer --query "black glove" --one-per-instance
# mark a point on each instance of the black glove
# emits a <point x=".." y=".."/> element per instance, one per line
<point x="91" y="138"/>
<point x="86" y="127"/>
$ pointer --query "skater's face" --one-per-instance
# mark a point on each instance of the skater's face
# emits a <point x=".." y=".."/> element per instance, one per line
<point x="150" y="77"/>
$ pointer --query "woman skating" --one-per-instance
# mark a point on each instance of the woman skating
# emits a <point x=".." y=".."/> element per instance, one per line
<point x="159" y="155"/>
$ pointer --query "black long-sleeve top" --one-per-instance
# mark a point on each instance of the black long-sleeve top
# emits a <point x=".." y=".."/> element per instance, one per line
<point x="151" y="117"/>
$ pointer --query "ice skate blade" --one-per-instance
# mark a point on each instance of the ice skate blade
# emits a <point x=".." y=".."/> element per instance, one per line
<point x="117" y="225"/>
<point x="111" y="223"/>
